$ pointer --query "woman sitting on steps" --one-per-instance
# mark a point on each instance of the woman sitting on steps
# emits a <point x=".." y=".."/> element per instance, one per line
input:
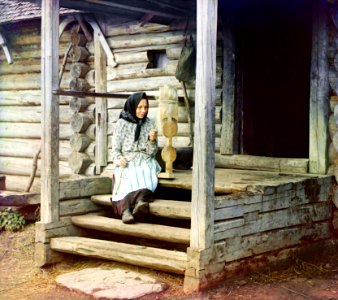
<point x="134" y="147"/>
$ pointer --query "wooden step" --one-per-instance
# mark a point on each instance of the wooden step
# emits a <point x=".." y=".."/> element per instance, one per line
<point x="162" y="208"/>
<point x="141" y="230"/>
<point x="154" y="258"/>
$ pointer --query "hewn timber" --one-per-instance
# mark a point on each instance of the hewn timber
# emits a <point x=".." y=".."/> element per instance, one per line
<point x="50" y="116"/>
<point x="154" y="258"/>
<point x="228" y="142"/>
<point x="101" y="104"/>
<point x="142" y="230"/>
<point x="319" y="92"/>
<point x="80" y="206"/>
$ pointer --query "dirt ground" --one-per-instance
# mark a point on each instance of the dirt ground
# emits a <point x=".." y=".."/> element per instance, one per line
<point x="315" y="278"/>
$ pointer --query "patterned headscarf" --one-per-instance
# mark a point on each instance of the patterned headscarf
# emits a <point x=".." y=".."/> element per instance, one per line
<point x="129" y="112"/>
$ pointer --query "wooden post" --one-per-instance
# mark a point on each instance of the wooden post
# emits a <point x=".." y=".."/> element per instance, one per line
<point x="204" y="142"/>
<point x="203" y="182"/>
<point x="319" y="92"/>
<point x="101" y="143"/>
<point x="50" y="111"/>
<point x="228" y="145"/>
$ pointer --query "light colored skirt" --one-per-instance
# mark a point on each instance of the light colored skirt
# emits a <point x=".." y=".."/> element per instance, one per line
<point x="135" y="176"/>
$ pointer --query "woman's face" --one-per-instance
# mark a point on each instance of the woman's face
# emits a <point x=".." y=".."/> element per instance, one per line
<point x="142" y="109"/>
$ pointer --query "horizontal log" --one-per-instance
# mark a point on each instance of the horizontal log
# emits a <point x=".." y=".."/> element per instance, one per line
<point x="9" y="198"/>
<point x="79" y="84"/>
<point x="333" y="127"/>
<point x="335" y="141"/>
<point x="142" y="72"/>
<point x="23" y="166"/>
<point x="78" y="104"/>
<point x="135" y="28"/>
<point x="31" y="114"/>
<point x="139" y="40"/>
<point x="142" y="84"/>
<point x="78" y="39"/>
<point x="131" y="57"/>
<point x="79" y="54"/>
<point x="25" y="98"/>
<point x="21" y="67"/>
<point x="333" y="102"/>
<point x="30" y="81"/>
<point x="113" y="115"/>
<point x="249" y="162"/>
<point x="154" y="258"/>
<point x="75" y="207"/>
<point x="30" y="130"/>
<point x="33" y="37"/>
<point x="84" y="187"/>
<point x="28" y="148"/>
<point x="20" y="183"/>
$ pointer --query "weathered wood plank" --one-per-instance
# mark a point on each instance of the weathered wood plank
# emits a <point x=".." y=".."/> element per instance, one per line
<point x="101" y="142"/>
<point x="154" y="258"/>
<point x="84" y="187"/>
<point x="141" y="230"/>
<point x="319" y="92"/>
<point x="81" y="206"/>
<point x="8" y="198"/>
<point x="228" y="143"/>
<point x="50" y="108"/>
<point x="203" y="185"/>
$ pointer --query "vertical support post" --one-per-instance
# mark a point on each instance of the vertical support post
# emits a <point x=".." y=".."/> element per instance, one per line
<point x="228" y="143"/>
<point x="50" y="111"/>
<point x="101" y="143"/>
<point x="319" y="92"/>
<point x="202" y="218"/>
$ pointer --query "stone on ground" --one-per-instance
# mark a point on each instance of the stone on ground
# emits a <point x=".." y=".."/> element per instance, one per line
<point x="111" y="283"/>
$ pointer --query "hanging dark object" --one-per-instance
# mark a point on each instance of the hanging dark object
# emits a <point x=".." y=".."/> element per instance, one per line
<point x="185" y="70"/>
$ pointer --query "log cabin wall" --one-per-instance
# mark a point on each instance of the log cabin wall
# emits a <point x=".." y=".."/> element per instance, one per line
<point x="136" y="49"/>
<point x="20" y="106"/>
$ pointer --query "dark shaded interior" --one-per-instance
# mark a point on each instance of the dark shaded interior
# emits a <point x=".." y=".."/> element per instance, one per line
<point x="273" y="56"/>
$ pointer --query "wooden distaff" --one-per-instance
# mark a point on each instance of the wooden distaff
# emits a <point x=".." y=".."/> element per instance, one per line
<point x="168" y="109"/>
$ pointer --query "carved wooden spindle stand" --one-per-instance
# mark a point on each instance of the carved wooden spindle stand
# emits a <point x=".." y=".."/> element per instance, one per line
<point x="168" y="113"/>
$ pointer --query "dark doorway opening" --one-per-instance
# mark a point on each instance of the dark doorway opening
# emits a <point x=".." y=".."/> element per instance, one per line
<point x="273" y="57"/>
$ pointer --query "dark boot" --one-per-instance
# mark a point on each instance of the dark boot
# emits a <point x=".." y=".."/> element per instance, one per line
<point x="127" y="217"/>
<point x="141" y="208"/>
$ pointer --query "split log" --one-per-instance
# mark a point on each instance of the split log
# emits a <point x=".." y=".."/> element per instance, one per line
<point x="139" y="40"/>
<point x="79" y="70"/>
<point x="30" y="114"/>
<point x="25" y="98"/>
<point x="77" y="104"/>
<point x="79" y="142"/>
<point x="80" y="122"/>
<point x="30" y="130"/>
<point x="75" y="207"/>
<point x="85" y="186"/>
<point x="78" y="39"/>
<point x="79" y="84"/>
<point x="79" y="162"/>
<point x="250" y="162"/>
<point x="79" y="54"/>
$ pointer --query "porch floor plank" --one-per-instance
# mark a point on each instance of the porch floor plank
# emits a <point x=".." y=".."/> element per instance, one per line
<point x="141" y="230"/>
<point x="153" y="258"/>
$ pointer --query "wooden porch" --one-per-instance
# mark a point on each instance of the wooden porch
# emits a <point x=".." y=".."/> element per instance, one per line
<point x="161" y="240"/>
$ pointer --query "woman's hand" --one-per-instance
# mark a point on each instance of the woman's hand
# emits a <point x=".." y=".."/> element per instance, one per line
<point x="153" y="135"/>
<point x="122" y="162"/>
